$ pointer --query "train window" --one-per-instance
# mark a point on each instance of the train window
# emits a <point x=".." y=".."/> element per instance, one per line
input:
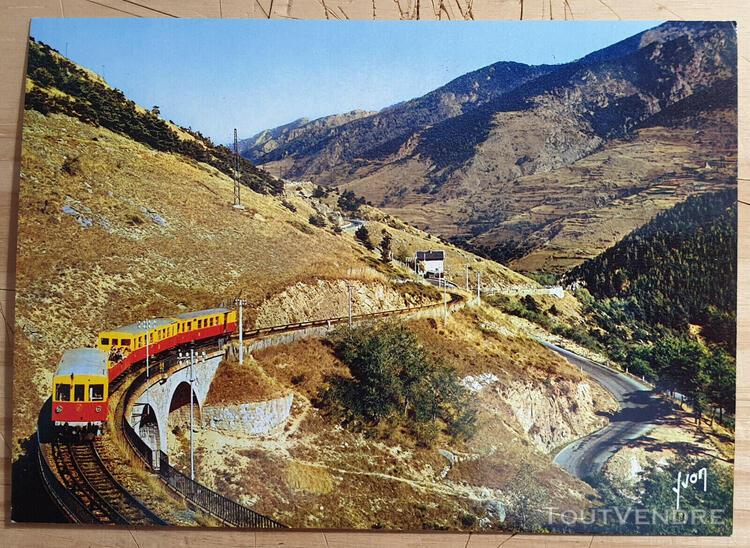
<point x="62" y="392"/>
<point x="79" y="391"/>
<point x="114" y="342"/>
<point x="105" y="340"/>
<point x="125" y="342"/>
<point x="96" y="392"/>
<point x="190" y="326"/>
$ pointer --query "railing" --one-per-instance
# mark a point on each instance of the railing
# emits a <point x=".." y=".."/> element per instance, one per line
<point x="342" y="319"/>
<point x="137" y="444"/>
<point x="227" y="510"/>
<point x="64" y="499"/>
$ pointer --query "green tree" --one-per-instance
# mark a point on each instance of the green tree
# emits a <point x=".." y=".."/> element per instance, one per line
<point x="393" y="378"/>
<point x="363" y="235"/>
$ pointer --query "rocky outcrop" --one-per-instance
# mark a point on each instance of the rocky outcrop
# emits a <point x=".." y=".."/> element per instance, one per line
<point x="555" y="412"/>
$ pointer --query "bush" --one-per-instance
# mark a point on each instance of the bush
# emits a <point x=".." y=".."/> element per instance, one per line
<point x="71" y="166"/>
<point x="394" y="379"/>
<point x="319" y="192"/>
<point x="289" y="205"/>
<point x="348" y="201"/>
<point x="363" y="235"/>
<point x="317" y="220"/>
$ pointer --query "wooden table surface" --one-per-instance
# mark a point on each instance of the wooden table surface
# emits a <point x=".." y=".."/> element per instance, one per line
<point x="14" y="25"/>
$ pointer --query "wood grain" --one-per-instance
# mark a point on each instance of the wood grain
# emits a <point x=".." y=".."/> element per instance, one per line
<point x="14" y="24"/>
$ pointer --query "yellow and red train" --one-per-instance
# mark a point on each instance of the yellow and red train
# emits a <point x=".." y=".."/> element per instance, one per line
<point x="80" y="386"/>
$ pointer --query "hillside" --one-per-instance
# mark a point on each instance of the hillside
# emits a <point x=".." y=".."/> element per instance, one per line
<point x="496" y="176"/>
<point x="155" y="234"/>
<point x="676" y="267"/>
<point x="125" y="216"/>
<point x="320" y="472"/>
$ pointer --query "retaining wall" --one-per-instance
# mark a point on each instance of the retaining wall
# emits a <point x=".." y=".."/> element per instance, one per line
<point x="257" y="418"/>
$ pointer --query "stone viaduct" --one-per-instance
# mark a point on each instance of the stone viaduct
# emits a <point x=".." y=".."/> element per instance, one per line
<point x="148" y="410"/>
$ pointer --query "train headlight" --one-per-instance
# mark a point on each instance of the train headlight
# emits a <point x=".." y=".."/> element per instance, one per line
<point x="98" y="408"/>
<point x="58" y="409"/>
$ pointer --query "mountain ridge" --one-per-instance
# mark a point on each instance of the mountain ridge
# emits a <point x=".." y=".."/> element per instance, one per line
<point x="537" y="124"/>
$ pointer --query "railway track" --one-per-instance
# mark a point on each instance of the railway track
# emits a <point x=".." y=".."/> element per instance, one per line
<point x="82" y="472"/>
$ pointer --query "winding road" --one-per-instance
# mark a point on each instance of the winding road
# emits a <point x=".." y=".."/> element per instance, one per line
<point x="639" y="409"/>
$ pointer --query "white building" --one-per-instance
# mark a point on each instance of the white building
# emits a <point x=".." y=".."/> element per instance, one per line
<point x="430" y="264"/>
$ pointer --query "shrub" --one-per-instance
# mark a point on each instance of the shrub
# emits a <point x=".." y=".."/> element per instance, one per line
<point x="317" y="220"/>
<point x="363" y="235"/>
<point x="71" y="166"/>
<point x="348" y="201"/>
<point x="394" y="379"/>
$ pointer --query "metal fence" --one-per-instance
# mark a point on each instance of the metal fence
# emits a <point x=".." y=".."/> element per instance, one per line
<point x="227" y="510"/>
<point x="137" y="444"/>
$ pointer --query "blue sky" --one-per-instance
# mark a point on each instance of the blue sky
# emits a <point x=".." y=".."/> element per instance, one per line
<point x="214" y="75"/>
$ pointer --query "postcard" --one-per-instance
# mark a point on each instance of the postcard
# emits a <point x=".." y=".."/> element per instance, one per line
<point x="475" y="276"/>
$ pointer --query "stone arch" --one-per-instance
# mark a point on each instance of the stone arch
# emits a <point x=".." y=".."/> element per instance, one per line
<point x="181" y="397"/>
<point x="178" y="410"/>
<point x="146" y="423"/>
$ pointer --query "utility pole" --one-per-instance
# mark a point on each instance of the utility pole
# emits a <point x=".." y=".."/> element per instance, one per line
<point x="181" y="359"/>
<point x="468" y="288"/>
<point x="479" y="286"/>
<point x="148" y="325"/>
<point x="192" y="452"/>
<point x="445" y="300"/>
<point x="237" y="198"/>
<point x="240" y="303"/>
<point x="349" y="287"/>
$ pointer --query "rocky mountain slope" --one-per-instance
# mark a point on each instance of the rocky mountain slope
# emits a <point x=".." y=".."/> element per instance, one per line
<point x="500" y="169"/>
<point x="323" y="145"/>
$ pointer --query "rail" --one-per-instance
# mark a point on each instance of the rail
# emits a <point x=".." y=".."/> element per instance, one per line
<point x="65" y="500"/>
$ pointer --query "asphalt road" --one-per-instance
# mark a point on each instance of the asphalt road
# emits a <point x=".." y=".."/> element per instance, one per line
<point x="639" y="409"/>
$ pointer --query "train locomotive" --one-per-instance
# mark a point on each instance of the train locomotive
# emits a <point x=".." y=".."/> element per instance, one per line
<point x="80" y="386"/>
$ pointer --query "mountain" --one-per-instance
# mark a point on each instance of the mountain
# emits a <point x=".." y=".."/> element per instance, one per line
<point x="155" y="231"/>
<point x="116" y="225"/>
<point x="323" y="145"/>
<point x="55" y="85"/>
<point x="302" y="129"/>
<point x="516" y="172"/>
